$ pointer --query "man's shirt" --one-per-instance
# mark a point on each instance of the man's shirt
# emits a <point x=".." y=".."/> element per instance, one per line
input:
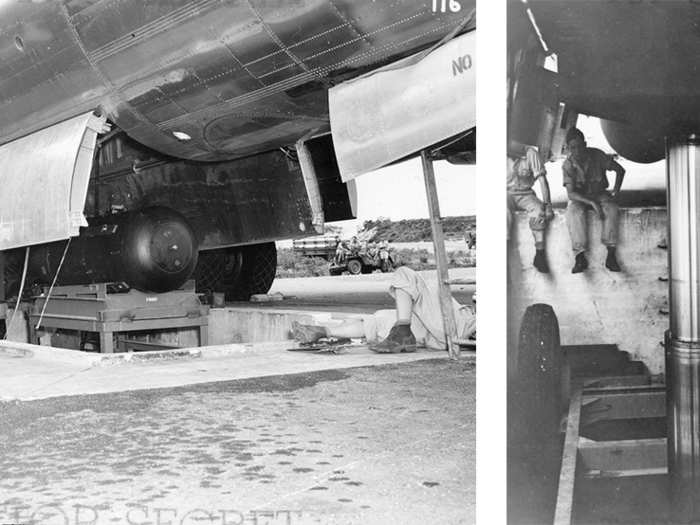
<point x="588" y="177"/>
<point x="523" y="172"/>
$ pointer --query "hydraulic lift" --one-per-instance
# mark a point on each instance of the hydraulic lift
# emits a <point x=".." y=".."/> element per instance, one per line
<point x="114" y="313"/>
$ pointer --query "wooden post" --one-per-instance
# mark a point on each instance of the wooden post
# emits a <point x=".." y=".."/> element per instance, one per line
<point x="448" y="313"/>
<point x="3" y="297"/>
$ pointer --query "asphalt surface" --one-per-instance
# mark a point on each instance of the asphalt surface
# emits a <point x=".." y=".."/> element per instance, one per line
<point x="384" y="444"/>
<point x="356" y="293"/>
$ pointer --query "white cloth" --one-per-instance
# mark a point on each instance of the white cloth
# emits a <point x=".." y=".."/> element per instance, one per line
<point x="426" y="321"/>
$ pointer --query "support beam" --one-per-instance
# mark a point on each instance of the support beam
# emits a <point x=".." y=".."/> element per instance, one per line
<point x="637" y="403"/>
<point x="615" y="459"/>
<point x="683" y="338"/>
<point x="3" y="292"/>
<point x="448" y="313"/>
<point x="308" y="172"/>
<point x="567" y="475"/>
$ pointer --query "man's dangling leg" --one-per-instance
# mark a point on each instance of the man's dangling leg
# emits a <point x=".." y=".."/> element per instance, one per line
<point x="537" y="222"/>
<point x="576" y="223"/>
<point x="609" y="232"/>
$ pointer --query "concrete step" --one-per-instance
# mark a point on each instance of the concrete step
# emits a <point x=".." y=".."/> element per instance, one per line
<point x="601" y="360"/>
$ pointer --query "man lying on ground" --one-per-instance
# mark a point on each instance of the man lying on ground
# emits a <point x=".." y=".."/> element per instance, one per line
<point x="416" y="321"/>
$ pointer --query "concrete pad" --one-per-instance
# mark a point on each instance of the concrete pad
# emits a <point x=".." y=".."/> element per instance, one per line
<point x="34" y="377"/>
<point x="339" y="286"/>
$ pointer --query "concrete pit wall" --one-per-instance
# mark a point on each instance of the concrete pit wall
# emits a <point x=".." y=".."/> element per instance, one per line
<point x="228" y="325"/>
<point x="597" y="306"/>
<point x="245" y="324"/>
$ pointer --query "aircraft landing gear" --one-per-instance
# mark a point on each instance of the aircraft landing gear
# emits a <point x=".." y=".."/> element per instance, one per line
<point x="538" y="385"/>
<point x="534" y="413"/>
<point x="239" y="272"/>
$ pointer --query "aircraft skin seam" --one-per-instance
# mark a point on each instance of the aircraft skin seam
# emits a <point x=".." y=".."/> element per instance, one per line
<point x="239" y="62"/>
<point x="114" y="94"/>
<point x="346" y="43"/>
<point x="348" y="23"/>
<point x="301" y="42"/>
<point x="277" y="41"/>
<point x="204" y="81"/>
<point x="372" y="33"/>
<point x="160" y="25"/>
<point x="289" y="83"/>
<point x="330" y="50"/>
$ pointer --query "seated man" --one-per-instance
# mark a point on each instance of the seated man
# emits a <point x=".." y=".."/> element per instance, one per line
<point x="523" y="171"/>
<point x="341" y="252"/>
<point x="586" y="182"/>
<point x="416" y="321"/>
<point x="354" y="246"/>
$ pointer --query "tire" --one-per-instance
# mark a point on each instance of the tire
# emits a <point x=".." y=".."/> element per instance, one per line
<point x="535" y="397"/>
<point x="354" y="267"/>
<point x="218" y="270"/>
<point x="239" y="272"/>
<point x="367" y="269"/>
<point x="335" y="271"/>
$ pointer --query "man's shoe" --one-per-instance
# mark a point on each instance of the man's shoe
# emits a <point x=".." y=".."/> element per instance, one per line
<point x="611" y="261"/>
<point x="307" y="333"/>
<point x="581" y="263"/>
<point x="540" y="262"/>
<point x="400" y="339"/>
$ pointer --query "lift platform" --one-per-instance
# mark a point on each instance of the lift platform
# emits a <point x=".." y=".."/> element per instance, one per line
<point x="114" y="311"/>
<point x="614" y="432"/>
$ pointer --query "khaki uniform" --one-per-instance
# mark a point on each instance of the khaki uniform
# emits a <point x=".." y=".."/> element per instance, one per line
<point x="522" y="174"/>
<point x="590" y="180"/>
<point x="426" y="321"/>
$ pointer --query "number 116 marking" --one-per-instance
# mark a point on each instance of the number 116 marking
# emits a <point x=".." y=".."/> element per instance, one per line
<point x="444" y="5"/>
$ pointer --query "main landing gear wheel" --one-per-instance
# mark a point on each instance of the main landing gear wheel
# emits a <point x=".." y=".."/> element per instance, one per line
<point x="538" y="390"/>
<point x="534" y="412"/>
<point x="239" y="272"/>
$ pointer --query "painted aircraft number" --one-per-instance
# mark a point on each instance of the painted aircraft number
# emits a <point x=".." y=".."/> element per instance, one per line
<point x="443" y="6"/>
<point x="461" y="65"/>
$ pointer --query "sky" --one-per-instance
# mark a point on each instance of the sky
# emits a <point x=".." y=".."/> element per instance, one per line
<point x="398" y="192"/>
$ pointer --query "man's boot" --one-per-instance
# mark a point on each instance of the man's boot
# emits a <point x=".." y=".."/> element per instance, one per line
<point x="307" y="333"/>
<point x="581" y="263"/>
<point x="540" y="261"/>
<point x="611" y="260"/>
<point x="400" y="339"/>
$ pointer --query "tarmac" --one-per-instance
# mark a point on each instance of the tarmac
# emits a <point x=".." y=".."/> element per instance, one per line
<point x="29" y="372"/>
<point x="238" y="436"/>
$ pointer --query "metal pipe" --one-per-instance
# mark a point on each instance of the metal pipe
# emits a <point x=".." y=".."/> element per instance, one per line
<point x="683" y="338"/>
<point x="308" y="172"/>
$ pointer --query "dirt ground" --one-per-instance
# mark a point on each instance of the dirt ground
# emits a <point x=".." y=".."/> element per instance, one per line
<point x="384" y="444"/>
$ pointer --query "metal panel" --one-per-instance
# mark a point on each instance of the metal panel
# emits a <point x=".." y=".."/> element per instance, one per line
<point x="43" y="182"/>
<point x="616" y="459"/>
<point x="239" y="78"/>
<point x="403" y="108"/>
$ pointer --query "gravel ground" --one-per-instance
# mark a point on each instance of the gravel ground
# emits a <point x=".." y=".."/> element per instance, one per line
<point x="387" y="444"/>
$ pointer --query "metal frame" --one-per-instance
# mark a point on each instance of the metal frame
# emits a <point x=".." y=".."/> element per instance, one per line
<point x="91" y="308"/>
<point x="600" y="399"/>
